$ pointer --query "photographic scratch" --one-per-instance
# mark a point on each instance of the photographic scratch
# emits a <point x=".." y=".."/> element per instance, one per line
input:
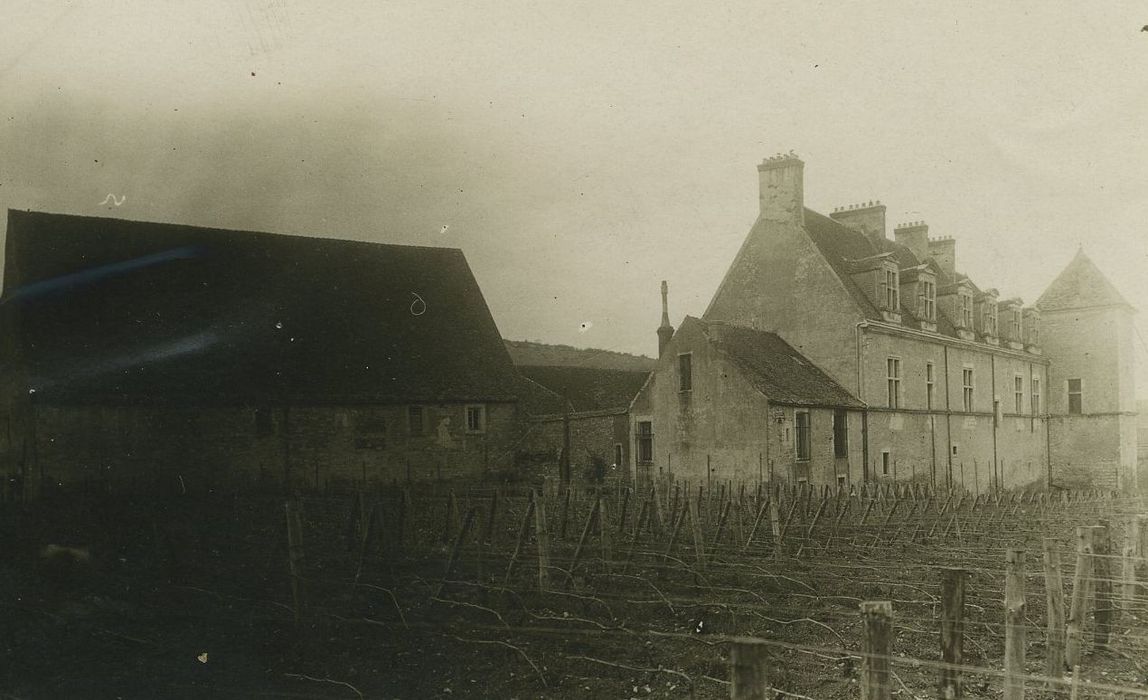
<point x="418" y="306"/>
<point x="112" y="199"/>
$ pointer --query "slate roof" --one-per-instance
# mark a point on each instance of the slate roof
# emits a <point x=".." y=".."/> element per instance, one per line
<point x="101" y="309"/>
<point x="589" y="388"/>
<point x="1080" y="285"/>
<point x="839" y="244"/>
<point x="774" y="367"/>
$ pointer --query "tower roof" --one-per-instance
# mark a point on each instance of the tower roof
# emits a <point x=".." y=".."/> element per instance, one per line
<point x="1080" y="285"/>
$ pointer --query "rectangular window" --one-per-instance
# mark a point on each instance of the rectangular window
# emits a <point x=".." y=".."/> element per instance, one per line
<point x="1035" y="396"/>
<point x="475" y="419"/>
<point x="415" y="421"/>
<point x="645" y="442"/>
<point x="892" y="290"/>
<point x="1033" y="334"/>
<point x="930" y="385"/>
<point x="893" y="379"/>
<point x="928" y="300"/>
<point x="990" y="319"/>
<point x="967" y="384"/>
<point x="1018" y="392"/>
<point x="885" y="463"/>
<point x="966" y="310"/>
<point x="840" y="433"/>
<point x="803" y="445"/>
<point x="685" y="373"/>
<point x="1075" y="397"/>
<point x="1016" y="325"/>
<point x="618" y="456"/>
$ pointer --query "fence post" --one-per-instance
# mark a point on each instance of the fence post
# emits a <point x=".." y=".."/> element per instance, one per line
<point x="877" y="617"/>
<point x="748" y="658"/>
<point x="1128" y="566"/>
<point x="542" y="535"/>
<point x="775" y="527"/>
<point x="1102" y="575"/>
<point x="295" y="559"/>
<point x="1054" y="595"/>
<point x="952" y="631"/>
<point x="1079" y="610"/>
<point x="1014" y="625"/>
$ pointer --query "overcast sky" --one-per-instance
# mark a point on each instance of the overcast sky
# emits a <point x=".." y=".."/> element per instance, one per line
<point x="580" y="152"/>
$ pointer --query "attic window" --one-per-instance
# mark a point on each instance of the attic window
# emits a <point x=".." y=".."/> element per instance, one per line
<point x="990" y="318"/>
<point x="892" y="290"/>
<point x="966" y="301"/>
<point x="928" y="300"/>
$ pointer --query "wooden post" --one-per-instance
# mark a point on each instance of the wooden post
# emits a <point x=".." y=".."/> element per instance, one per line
<point x="1074" y="630"/>
<point x="775" y="527"/>
<point x="585" y="533"/>
<point x="1054" y="595"/>
<point x="748" y="661"/>
<point x="757" y="521"/>
<point x="877" y="617"/>
<point x="604" y="529"/>
<point x="542" y="536"/>
<point x="565" y="513"/>
<point x="295" y="560"/>
<point x="952" y="631"/>
<point x="1014" y="625"/>
<point x="456" y="548"/>
<point x="1102" y="576"/>
<point x="1128" y="566"/>
<point x="699" y="546"/>
<point x="523" y="531"/>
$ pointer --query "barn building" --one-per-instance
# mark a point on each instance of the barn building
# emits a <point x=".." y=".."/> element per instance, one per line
<point x="135" y="351"/>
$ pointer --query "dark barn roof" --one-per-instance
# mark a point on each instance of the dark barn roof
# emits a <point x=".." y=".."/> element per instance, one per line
<point x="774" y="367"/>
<point x="590" y="388"/>
<point x="100" y="309"/>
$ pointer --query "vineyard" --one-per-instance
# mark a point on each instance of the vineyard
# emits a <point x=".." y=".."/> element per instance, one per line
<point x="683" y="590"/>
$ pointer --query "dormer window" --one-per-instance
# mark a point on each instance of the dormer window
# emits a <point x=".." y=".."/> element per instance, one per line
<point x="989" y="321"/>
<point x="927" y="300"/>
<point x="1014" y="330"/>
<point x="966" y="309"/>
<point x="892" y="290"/>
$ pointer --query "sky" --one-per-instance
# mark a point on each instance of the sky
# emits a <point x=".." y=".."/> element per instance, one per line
<point x="581" y="152"/>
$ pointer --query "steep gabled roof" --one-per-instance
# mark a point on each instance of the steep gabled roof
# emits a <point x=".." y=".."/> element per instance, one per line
<point x="100" y="309"/>
<point x="1080" y="285"/>
<point x="774" y="367"/>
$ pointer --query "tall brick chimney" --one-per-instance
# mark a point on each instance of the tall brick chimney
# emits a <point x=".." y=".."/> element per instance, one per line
<point x="665" y="331"/>
<point x="782" y="189"/>
<point x="944" y="251"/>
<point x="914" y="236"/>
<point x="868" y="219"/>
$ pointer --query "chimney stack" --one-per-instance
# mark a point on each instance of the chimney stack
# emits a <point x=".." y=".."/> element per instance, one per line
<point x="781" y="193"/>
<point x="944" y="251"/>
<point x="665" y="331"/>
<point x="914" y="236"/>
<point x="867" y="218"/>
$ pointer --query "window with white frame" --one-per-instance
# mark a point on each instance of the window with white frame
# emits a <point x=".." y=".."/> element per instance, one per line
<point x="1075" y="397"/>
<point x="928" y="300"/>
<point x="892" y="290"/>
<point x="1018" y="393"/>
<point x="885" y="460"/>
<point x="966" y="304"/>
<point x="1035" y="396"/>
<point x="893" y="379"/>
<point x="930" y="385"/>
<point x="803" y="445"/>
<point x="1015" y="322"/>
<point x="990" y="318"/>
<point x="967" y="388"/>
